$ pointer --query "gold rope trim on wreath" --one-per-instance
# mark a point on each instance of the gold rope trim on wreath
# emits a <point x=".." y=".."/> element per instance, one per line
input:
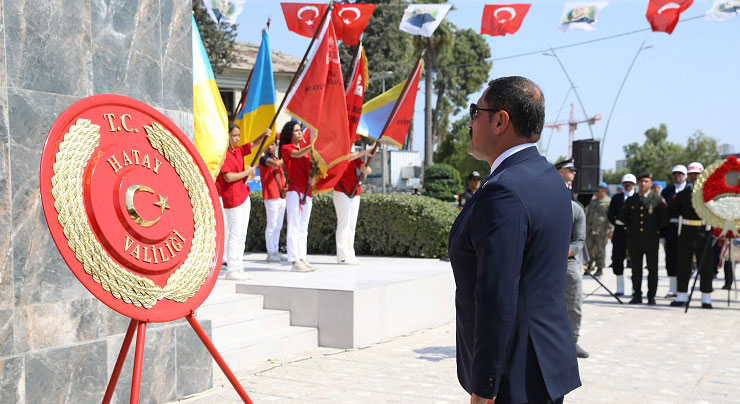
<point x="697" y="200"/>
<point x="74" y="153"/>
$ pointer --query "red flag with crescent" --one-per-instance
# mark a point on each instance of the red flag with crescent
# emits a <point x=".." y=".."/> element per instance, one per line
<point x="350" y="21"/>
<point x="502" y="19"/>
<point x="663" y="15"/>
<point x="318" y="100"/>
<point x="303" y="18"/>
<point x="356" y="92"/>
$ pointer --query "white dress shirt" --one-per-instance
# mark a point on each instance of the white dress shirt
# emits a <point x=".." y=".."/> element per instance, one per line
<point x="680" y="187"/>
<point x="503" y="156"/>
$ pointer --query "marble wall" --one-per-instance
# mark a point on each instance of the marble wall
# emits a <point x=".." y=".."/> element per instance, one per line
<point x="57" y="342"/>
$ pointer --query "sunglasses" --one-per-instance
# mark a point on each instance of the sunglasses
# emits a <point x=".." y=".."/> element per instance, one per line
<point x="474" y="110"/>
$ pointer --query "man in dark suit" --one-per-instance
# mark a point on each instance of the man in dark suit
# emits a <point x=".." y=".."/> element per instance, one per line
<point x="619" y="236"/>
<point x="509" y="251"/>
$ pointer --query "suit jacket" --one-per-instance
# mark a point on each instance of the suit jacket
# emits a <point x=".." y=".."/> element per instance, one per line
<point x="508" y="249"/>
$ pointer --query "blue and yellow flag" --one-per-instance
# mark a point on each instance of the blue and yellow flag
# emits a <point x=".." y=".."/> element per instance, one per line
<point x="259" y="108"/>
<point x="211" y="135"/>
<point x="375" y="112"/>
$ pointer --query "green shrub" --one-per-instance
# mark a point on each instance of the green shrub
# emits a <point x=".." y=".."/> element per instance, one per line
<point x="400" y="225"/>
<point x="442" y="181"/>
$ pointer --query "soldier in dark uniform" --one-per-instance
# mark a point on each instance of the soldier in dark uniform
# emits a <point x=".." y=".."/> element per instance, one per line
<point x="619" y="236"/>
<point x="644" y="213"/>
<point x="691" y="239"/>
<point x="474" y="180"/>
<point x="669" y="232"/>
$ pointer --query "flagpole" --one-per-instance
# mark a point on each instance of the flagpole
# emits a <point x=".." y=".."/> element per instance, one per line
<point x="396" y="106"/>
<point x="298" y="71"/>
<point x="354" y="68"/>
<point x="243" y="98"/>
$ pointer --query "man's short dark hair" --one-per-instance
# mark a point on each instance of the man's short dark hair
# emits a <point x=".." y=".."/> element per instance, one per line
<point x="523" y="100"/>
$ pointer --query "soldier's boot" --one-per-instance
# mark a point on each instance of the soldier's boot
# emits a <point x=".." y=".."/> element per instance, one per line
<point x="681" y="299"/>
<point x="620" y="286"/>
<point x="599" y="273"/>
<point x="672" y="287"/>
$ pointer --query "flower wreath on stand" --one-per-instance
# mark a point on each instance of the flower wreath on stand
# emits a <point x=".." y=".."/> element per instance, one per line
<point x="716" y="197"/>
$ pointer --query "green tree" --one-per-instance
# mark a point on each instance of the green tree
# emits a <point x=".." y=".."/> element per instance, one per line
<point x="614" y="177"/>
<point x="458" y="72"/>
<point x="218" y="39"/>
<point x="701" y="148"/>
<point x="453" y="150"/>
<point x="656" y="155"/>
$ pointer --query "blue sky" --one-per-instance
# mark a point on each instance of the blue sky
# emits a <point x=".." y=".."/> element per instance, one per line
<point x="688" y="80"/>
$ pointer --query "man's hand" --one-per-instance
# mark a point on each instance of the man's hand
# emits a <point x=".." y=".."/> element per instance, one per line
<point x="476" y="399"/>
<point x="610" y="235"/>
<point x="571" y="254"/>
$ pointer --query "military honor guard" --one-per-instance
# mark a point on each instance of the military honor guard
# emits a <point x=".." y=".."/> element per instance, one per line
<point x="598" y="229"/>
<point x="644" y="213"/>
<point x="691" y="235"/>
<point x="619" y="235"/>
<point x="669" y="232"/>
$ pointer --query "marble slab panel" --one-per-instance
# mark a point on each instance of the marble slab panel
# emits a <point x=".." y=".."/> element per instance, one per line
<point x="158" y="381"/>
<point x="49" y="325"/>
<point x="12" y="382"/>
<point x="3" y="67"/>
<point x="126" y="49"/>
<point x="184" y="120"/>
<point x="40" y="274"/>
<point x="71" y="375"/>
<point x="6" y="333"/>
<point x="194" y="362"/>
<point x="49" y="45"/>
<point x="177" y="54"/>
<point x="6" y="263"/>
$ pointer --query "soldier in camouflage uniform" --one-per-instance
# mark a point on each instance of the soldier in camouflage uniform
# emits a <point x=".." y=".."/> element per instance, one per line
<point x="598" y="229"/>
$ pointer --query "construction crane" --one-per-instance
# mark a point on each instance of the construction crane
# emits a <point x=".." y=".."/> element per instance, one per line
<point x="572" y="125"/>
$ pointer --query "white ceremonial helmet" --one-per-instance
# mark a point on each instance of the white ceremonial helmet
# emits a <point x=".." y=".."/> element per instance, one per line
<point x="696" y="168"/>
<point x="679" y="169"/>
<point x="629" y="178"/>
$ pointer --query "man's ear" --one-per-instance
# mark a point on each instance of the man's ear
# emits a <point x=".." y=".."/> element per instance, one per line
<point x="500" y="121"/>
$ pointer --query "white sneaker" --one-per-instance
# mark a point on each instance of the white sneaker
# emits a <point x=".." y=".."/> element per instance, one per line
<point x="348" y="261"/>
<point x="307" y="264"/>
<point x="273" y="257"/>
<point x="299" y="267"/>
<point x="237" y="275"/>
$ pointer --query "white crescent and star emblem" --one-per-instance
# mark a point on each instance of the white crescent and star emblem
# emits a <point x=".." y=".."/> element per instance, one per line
<point x="668" y="6"/>
<point x="354" y="10"/>
<point x="315" y="9"/>
<point x="509" y="9"/>
<point x="130" y="192"/>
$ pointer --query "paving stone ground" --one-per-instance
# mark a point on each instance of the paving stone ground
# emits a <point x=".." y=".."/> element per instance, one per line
<point x="639" y="354"/>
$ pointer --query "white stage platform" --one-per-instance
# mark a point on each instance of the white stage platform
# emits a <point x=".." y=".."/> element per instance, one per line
<point x="355" y="306"/>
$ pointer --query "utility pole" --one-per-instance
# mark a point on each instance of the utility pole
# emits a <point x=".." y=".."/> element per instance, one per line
<point x="428" y="148"/>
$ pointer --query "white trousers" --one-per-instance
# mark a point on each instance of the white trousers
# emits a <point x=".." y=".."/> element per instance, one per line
<point x="275" y="212"/>
<point x="298" y="216"/>
<point x="347" y="209"/>
<point x="238" y="220"/>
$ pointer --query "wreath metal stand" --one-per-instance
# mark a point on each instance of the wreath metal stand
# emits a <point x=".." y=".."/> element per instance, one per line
<point x="140" y="328"/>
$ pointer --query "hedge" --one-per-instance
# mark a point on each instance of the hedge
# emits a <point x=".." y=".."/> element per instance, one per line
<point x="399" y="225"/>
<point x="442" y="181"/>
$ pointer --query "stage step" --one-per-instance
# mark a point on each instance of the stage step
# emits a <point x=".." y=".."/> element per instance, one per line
<point x="244" y="332"/>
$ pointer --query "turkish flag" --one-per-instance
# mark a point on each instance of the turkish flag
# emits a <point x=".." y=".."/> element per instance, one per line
<point x="356" y="92"/>
<point x="318" y="100"/>
<point x="303" y="18"/>
<point x="663" y="15"/>
<point x="350" y="21"/>
<point x="502" y="19"/>
<point x="397" y="127"/>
